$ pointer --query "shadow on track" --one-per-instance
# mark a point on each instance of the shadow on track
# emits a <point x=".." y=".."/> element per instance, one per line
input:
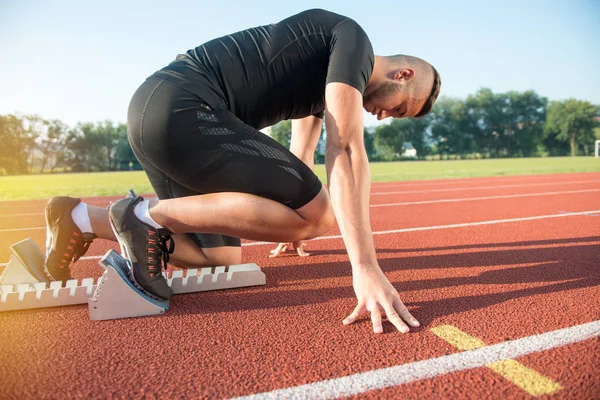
<point x="551" y="270"/>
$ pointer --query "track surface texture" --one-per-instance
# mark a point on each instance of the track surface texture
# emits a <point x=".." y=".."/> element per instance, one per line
<point x="501" y="259"/>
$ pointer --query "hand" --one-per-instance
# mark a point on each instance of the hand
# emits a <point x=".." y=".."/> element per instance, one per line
<point x="374" y="293"/>
<point x="283" y="247"/>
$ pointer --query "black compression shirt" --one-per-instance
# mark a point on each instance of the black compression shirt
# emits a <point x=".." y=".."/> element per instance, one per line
<point x="275" y="72"/>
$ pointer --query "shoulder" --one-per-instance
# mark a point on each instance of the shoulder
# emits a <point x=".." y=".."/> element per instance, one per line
<point x="318" y="17"/>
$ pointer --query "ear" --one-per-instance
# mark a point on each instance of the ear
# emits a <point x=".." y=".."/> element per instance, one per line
<point x="404" y="74"/>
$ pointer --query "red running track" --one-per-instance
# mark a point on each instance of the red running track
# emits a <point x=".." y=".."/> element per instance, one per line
<point x="498" y="282"/>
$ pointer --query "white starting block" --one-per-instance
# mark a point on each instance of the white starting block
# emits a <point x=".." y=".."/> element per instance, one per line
<point x="17" y="271"/>
<point x="117" y="297"/>
<point x="114" y="295"/>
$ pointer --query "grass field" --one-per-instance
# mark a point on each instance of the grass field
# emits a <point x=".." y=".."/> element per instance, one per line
<point x="111" y="183"/>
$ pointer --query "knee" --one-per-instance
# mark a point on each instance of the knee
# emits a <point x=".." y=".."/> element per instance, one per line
<point x="324" y="222"/>
<point x="318" y="216"/>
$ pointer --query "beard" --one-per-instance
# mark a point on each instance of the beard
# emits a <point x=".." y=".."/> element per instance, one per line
<point x="384" y="91"/>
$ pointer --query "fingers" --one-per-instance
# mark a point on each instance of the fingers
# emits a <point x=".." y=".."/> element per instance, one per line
<point x="396" y="315"/>
<point x="281" y="248"/>
<point x="299" y="246"/>
<point x="355" y="314"/>
<point x="376" y="320"/>
<point x="405" y="314"/>
<point x="395" y="319"/>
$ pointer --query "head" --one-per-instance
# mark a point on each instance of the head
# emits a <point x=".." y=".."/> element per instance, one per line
<point x="401" y="87"/>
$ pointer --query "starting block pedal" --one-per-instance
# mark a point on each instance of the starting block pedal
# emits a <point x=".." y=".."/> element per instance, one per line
<point x="117" y="297"/>
<point x="25" y="266"/>
<point x="114" y="295"/>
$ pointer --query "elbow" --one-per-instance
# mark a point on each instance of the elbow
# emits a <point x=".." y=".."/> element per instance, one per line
<point x="332" y="152"/>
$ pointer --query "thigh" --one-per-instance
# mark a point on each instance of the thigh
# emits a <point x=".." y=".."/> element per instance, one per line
<point x="210" y="151"/>
<point x="164" y="186"/>
<point x="246" y="160"/>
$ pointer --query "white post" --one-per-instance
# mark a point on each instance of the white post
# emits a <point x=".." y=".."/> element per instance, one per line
<point x="597" y="149"/>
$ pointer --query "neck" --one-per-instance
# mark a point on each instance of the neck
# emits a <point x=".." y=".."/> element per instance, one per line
<point x="379" y="74"/>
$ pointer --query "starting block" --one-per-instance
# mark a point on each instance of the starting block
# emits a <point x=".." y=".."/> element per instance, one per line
<point x="114" y="295"/>
<point x="17" y="271"/>
<point x="117" y="297"/>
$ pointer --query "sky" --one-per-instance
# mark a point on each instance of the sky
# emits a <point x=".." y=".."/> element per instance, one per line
<point x="81" y="61"/>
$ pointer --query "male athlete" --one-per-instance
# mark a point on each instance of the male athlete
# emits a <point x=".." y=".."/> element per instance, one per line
<point x="193" y="126"/>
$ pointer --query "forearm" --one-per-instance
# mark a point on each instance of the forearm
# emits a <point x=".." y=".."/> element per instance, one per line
<point x="305" y="137"/>
<point x="349" y="185"/>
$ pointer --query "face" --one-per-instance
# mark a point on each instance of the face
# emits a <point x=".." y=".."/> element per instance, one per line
<point x="392" y="99"/>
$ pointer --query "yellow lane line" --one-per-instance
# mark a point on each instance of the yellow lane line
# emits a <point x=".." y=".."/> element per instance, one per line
<point x="526" y="378"/>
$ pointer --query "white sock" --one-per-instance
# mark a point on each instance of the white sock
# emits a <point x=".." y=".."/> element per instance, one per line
<point x="143" y="213"/>
<point x="81" y="217"/>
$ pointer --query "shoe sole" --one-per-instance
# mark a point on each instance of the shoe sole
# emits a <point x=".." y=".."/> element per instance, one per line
<point x="49" y="241"/>
<point x="125" y="251"/>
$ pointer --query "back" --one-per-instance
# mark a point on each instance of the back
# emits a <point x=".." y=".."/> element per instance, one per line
<point x="275" y="72"/>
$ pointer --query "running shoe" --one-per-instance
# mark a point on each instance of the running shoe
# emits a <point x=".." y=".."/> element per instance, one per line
<point x="144" y="246"/>
<point x="65" y="243"/>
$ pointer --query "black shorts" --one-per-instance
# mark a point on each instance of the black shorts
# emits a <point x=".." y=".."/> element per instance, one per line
<point x="187" y="148"/>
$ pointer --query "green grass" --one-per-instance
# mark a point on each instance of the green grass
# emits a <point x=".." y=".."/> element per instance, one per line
<point x="118" y="183"/>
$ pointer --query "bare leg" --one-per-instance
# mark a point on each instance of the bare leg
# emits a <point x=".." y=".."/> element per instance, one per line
<point x="187" y="254"/>
<point x="245" y="215"/>
<point x="100" y="223"/>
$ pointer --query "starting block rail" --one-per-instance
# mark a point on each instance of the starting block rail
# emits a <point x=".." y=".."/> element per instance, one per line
<point x="113" y="295"/>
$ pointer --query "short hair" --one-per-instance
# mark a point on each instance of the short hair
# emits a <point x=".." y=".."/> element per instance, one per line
<point x="435" y="91"/>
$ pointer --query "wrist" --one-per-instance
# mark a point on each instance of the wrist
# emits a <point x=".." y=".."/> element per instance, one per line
<point x="365" y="267"/>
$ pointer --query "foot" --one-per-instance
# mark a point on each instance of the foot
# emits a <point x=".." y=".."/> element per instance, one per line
<point x="144" y="246"/>
<point x="65" y="242"/>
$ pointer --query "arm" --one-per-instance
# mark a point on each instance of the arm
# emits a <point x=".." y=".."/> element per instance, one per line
<point x="305" y="137"/>
<point x="348" y="173"/>
<point x="349" y="186"/>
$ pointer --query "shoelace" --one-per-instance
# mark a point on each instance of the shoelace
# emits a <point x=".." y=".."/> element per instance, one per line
<point x="87" y="240"/>
<point x="160" y="250"/>
<point x="76" y="253"/>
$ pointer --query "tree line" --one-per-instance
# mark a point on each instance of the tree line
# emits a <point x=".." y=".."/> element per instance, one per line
<point x="31" y="144"/>
<point x="484" y="125"/>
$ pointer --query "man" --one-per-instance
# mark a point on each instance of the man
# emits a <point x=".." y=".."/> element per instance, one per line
<point x="193" y="126"/>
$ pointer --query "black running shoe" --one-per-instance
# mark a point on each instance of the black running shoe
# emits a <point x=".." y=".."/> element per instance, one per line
<point x="65" y="242"/>
<point x="144" y="246"/>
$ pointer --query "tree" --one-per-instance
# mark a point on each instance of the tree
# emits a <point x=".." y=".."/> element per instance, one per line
<point x="51" y="140"/>
<point x="123" y="153"/>
<point x="450" y="127"/>
<point x="525" y="117"/>
<point x="17" y="144"/>
<point x="416" y="131"/>
<point x="369" y="138"/>
<point x="108" y="136"/>
<point x="389" y="141"/>
<point x="572" y="121"/>
<point x="282" y="132"/>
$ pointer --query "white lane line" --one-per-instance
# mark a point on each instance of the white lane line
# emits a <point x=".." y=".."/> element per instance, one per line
<point x="480" y="180"/>
<point x="19" y="215"/>
<point x="22" y="229"/>
<point x="89" y="200"/>
<point x="415" y="371"/>
<point x="424" y="228"/>
<point x="508" y="196"/>
<point x="482" y="187"/>
<point x="429" y="228"/>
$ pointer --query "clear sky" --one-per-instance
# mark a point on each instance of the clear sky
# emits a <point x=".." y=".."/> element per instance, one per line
<point x="82" y="60"/>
